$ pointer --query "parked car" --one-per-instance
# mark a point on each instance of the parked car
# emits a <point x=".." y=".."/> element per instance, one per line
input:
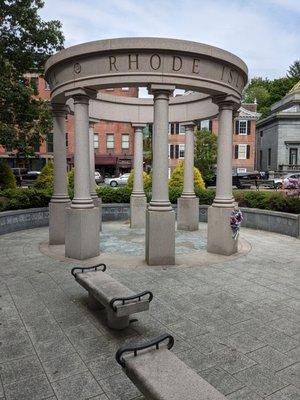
<point x="30" y="178"/>
<point x="98" y="177"/>
<point x="289" y="179"/>
<point x="114" y="182"/>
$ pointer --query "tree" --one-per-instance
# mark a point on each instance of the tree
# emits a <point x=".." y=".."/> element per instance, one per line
<point x="205" y="153"/>
<point x="294" y="70"/>
<point x="177" y="177"/>
<point x="46" y="177"/>
<point x="267" y="92"/>
<point x="7" y="177"/>
<point x="147" y="180"/>
<point x="26" y="41"/>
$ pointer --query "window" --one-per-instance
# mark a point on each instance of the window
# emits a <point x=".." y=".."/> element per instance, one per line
<point x="181" y="151"/>
<point x="181" y="129"/>
<point x="269" y="156"/>
<point x="125" y="141"/>
<point x="293" y="156"/>
<point x="67" y="139"/>
<point x="242" y="127"/>
<point x="96" y="141"/>
<point x="47" y="86"/>
<point x="110" y="141"/>
<point x="242" y="151"/>
<point x="204" y="124"/>
<point x="171" y="150"/>
<point x="49" y="142"/>
<point x="261" y="134"/>
<point x="260" y="159"/>
<point x="174" y="128"/>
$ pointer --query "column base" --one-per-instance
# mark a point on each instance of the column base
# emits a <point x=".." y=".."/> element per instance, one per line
<point x="160" y="237"/>
<point x="188" y="213"/>
<point x="219" y="234"/>
<point x="82" y="233"/>
<point x="138" y="204"/>
<point x="57" y="220"/>
<point x="98" y="203"/>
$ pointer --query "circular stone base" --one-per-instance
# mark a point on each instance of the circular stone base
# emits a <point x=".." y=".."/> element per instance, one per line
<point x="120" y="245"/>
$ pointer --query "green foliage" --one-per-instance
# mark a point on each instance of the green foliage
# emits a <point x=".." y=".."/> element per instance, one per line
<point x="205" y="153"/>
<point x="45" y="179"/>
<point x="26" y="42"/>
<point x="147" y="181"/>
<point x="177" y="177"/>
<point x="294" y="70"/>
<point x="111" y="195"/>
<point x="15" y="199"/>
<point x="71" y="175"/>
<point x="7" y="178"/>
<point x="275" y="201"/>
<point x="267" y="92"/>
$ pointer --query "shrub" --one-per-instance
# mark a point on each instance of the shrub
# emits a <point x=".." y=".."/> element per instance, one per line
<point x="147" y="181"/>
<point x="71" y="179"/>
<point x="15" y="199"/>
<point x="178" y="174"/>
<point x="45" y="179"/>
<point x="111" y="195"/>
<point x="7" y="177"/>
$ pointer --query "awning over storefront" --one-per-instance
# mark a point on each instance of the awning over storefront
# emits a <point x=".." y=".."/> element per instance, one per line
<point x="105" y="160"/>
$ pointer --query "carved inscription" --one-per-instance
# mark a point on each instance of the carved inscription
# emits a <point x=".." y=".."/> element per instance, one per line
<point x="185" y="65"/>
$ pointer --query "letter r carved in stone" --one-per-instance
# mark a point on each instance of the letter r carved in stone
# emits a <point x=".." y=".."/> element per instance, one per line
<point x="112" y="63"/>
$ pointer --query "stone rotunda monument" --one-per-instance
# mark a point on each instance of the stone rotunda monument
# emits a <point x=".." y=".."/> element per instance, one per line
<point x="216" y="79"/>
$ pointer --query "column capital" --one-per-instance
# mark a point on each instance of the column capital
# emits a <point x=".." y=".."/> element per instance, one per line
<point x="227" y="102"/>
<point x="59" y="109"/>
<point x="188" y="126"/>
<point x="138" y="126"/>
<point x="160" y="88"/>
<point x="81" y="95"/>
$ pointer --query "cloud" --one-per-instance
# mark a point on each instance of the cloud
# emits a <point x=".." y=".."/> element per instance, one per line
<point x="264" y="34"/>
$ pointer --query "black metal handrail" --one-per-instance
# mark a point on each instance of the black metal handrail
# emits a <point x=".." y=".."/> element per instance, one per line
<point x="82" y="269"/>
<point x="142" y="346"/>
<point x="133" y="297"/>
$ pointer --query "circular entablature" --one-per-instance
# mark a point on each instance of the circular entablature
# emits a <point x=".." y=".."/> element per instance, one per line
<point x="145" y="61"/>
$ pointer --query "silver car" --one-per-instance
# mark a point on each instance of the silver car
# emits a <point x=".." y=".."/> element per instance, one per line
<point x="114" y="182"/>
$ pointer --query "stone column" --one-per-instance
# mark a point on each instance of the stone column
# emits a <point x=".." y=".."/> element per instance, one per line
<point x="219" y="235"/>
<point x="60" y="199"/>
<point x="188" y="203"/>
<point x="138" y="199"/>
<point x="160" y="217"/>
<point x="82" y="218"/>
<point x="96" y="200"/>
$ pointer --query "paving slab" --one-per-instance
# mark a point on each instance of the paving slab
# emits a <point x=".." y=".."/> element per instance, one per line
<point x="220" y="311"/>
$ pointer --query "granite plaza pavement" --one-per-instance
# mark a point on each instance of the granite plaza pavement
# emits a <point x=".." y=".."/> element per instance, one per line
<point x="235" y="322"/>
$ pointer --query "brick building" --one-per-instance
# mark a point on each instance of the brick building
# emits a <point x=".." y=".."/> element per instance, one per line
<point x="244" y="134"/>
<point x="114" y="141"/>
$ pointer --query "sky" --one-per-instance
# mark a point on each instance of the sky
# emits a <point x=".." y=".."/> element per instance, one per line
<point x="264" y="33"/>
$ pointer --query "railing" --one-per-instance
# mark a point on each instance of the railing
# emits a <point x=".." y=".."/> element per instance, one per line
<point x="289" y="167"/>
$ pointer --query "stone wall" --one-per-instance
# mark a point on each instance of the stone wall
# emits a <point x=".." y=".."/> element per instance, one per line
<point x="16" y="220"/>
<point x="271" y="221"/>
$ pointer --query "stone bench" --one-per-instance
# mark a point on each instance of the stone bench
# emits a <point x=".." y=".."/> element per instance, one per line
<point x="160" y="375"/>
<point x="106" y="292"/>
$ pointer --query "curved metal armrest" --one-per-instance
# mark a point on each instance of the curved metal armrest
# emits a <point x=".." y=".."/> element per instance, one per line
<point x="141" y="346"/>
<point x="82" y="269"/>
<point x="135" y="296"/>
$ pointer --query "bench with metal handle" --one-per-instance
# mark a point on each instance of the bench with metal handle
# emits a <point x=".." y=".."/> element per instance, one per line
<point x="106" y="292"/>
<point x="160" y="375"/>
